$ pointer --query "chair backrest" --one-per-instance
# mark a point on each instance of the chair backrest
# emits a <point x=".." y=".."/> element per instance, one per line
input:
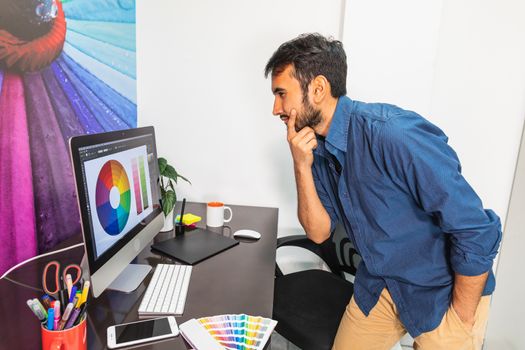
<point x="346" y="259"/>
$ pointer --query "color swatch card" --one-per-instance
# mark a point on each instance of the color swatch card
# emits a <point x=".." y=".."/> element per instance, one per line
<point x="232" y="332"/>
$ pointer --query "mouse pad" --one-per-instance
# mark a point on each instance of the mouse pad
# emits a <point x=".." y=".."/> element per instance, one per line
<point x="194" y="246"/>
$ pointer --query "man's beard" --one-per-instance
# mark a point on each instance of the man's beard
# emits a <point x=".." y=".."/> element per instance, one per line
<point x="310" y="117"/>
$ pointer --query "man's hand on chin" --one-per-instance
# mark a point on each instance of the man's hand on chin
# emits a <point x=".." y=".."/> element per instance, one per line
<point x="302" y="143"/>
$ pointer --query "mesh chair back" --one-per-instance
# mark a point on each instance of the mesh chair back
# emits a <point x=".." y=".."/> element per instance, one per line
<point x="340" y="254"/>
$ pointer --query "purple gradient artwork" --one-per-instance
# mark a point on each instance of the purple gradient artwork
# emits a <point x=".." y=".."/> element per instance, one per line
<point x="66" y="68"/>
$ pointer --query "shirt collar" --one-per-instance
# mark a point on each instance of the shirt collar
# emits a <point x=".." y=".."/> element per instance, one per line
<point x="336" y="141"/>
<point x="338" y="132"/>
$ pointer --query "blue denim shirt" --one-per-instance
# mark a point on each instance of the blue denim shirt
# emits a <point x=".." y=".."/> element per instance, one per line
<point x="389" y="176"/>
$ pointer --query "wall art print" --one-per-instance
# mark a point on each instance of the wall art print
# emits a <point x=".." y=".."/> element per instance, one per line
<point x="66" y="68"/>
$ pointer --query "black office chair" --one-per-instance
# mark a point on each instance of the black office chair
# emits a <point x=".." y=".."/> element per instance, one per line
<point x="308" y="305"/>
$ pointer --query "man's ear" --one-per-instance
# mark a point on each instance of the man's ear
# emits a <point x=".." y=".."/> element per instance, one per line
<point x="320" y="89"/>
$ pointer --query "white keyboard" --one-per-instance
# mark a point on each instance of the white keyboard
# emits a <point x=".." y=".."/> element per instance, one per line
<point x="167" y="290"/>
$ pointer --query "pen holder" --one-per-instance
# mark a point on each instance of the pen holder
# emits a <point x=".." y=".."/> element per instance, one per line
<point x="74" y="338"/>
<point x="179" y="229"/>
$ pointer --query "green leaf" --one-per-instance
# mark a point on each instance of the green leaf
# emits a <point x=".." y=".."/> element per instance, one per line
<point x="171" y="173"/>
<point x="168" y="175"/>
<point x="162" y="165"/>
<point x="182" y="177"/>
<point x="168" y="202"/>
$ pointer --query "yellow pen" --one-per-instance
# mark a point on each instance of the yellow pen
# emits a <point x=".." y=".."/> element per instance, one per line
<point x="85" y="292"/>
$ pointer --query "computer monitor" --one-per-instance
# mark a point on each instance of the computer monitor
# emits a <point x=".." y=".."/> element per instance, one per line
<point x="117" y="182"/>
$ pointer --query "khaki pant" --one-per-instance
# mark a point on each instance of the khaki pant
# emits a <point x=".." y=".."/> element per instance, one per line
<point x="381" y="330"/>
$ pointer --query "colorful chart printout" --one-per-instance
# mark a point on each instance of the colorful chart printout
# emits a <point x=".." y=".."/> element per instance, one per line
<point x="136" y="185"/>
<point x="143" y="182"/>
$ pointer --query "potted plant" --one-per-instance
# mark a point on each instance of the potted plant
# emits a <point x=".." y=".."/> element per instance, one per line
<point x="168" y="176"/>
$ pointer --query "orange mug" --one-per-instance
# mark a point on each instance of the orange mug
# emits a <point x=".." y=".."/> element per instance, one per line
<point x="74" y="338"/>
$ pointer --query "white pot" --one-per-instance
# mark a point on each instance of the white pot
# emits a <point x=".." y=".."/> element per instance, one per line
<point x="168" y="222"/>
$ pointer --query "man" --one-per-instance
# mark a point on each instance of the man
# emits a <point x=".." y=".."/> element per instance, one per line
<point x="389" y="177"/>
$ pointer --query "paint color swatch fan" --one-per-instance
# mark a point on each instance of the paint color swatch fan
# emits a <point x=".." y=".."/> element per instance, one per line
<point x="232" y="332"/>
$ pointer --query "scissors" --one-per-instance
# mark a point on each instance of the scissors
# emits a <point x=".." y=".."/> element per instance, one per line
<point x="59" y="276"/>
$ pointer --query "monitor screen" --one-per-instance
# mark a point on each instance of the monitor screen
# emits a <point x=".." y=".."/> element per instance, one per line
<point x="117" y="181"/>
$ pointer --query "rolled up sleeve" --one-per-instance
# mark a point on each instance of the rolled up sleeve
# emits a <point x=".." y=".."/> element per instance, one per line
<point x="473" y="250"/>
<point x="416" y="155"/>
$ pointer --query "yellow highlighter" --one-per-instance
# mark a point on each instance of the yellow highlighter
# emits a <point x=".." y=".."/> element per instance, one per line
<point x="78" y="296"/>
<point x="85" y="292"/>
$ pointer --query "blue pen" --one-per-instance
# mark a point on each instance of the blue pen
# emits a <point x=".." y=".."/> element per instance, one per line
<point x="50" y="318"/>
<point x="73" y="293"/>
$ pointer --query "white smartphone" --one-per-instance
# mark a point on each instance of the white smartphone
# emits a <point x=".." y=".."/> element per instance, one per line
<point x="132" y="333"/>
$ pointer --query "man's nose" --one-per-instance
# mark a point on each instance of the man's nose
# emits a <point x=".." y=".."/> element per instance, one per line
<point x="277" y="107"/>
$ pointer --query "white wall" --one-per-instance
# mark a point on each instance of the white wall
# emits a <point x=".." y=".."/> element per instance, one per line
<point x="391" y="48"/>
<point x="201" y="84"/>
<point x="506" y="323"/>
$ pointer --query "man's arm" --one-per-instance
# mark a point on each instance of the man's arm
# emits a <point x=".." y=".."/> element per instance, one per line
<point x="466" y="296"/>
<point x="312" y="215"/>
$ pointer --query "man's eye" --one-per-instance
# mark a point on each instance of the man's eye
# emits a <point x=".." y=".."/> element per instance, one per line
<point x="282" y="94"/>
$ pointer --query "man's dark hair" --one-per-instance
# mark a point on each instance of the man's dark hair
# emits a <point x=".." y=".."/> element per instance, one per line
<point x="312" y="55"/>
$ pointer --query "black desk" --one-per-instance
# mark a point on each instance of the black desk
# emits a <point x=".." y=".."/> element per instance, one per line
<point x="238" y="280"/>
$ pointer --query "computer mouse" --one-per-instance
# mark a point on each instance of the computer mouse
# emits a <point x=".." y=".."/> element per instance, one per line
<point x="247" y="234"/>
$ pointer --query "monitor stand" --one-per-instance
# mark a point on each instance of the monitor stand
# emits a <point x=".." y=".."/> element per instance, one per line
<point x="130" y="278"/>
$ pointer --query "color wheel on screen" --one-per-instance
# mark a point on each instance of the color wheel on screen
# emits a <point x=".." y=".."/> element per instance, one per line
<point x="113" y="197"/>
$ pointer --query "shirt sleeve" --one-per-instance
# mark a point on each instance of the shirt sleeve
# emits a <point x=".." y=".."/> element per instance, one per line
<point x="324" y="197"/>
<point x="416" y="156"/>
